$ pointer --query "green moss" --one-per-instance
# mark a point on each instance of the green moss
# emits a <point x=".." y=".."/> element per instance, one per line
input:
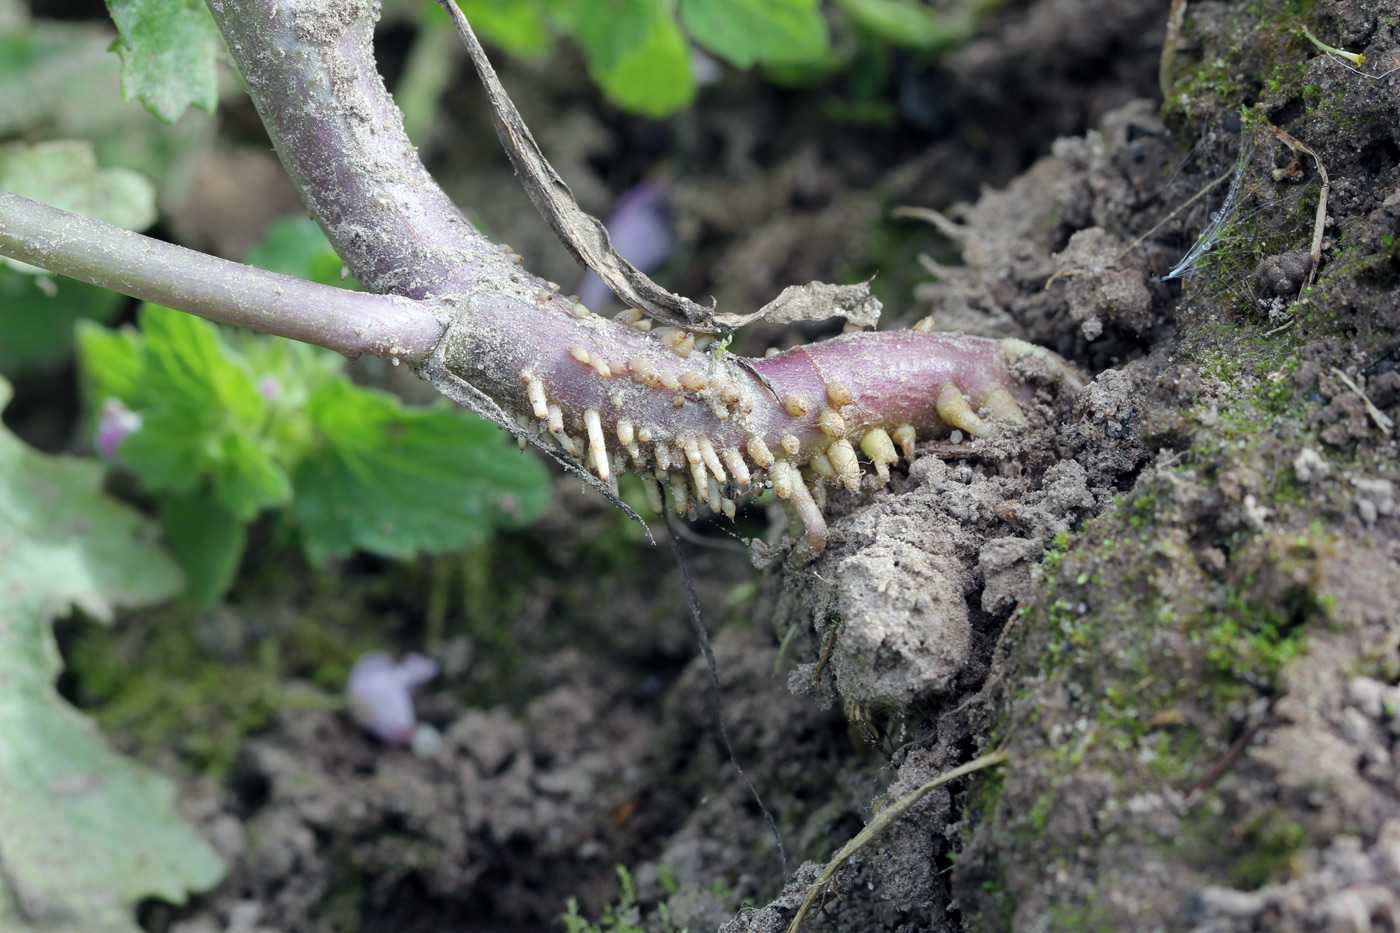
<point x="154" y="686"/>
<point x="1262" y="847"/>
<point x="1081" y="918"/>
<point x="1272" y="847"/>
<point x="1252" y="642"/>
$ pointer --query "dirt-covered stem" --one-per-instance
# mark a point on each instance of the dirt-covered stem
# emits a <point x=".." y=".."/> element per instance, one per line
<point x="310" y="70"/>
<point x="608" y="393"/>
<point x="229" y="292"/>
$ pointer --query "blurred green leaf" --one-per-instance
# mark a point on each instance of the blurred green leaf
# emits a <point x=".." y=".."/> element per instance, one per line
<point x="37" y="315"/>
<point x="398" y="481"/>
<point x="52" y="75"/>
<point x="112" y="363"/>
<point x="652" y="78"/>
<point x="747" y="32"/>
<point x="910" y="23"/>
<point x="297" y="246"/>
<point x="84" y="832"/>
<point x="170" y="51"/>
<point x="608" y="30"/>
<point x="60" y="80"/>
<point x="635" y="52"/>
<point x="518" y="26"/>
<point x="206" y="538"/>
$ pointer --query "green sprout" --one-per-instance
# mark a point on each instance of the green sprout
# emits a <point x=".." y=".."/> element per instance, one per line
<point x="1356" y="58"/>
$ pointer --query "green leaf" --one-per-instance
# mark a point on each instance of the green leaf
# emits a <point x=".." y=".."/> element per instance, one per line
<point x="748" y="32"/>
<point x="652" y="78"/>
<point x="297" y="246"/>
<point x="910" y="23"/>
<point x="37" y="315"/>
<point x="207" y="539"/>
<point x="518" y="26"/>
<point x="112" y="361"/>
<point x="170" y="52"/>
<point x="64" y="174"/>
<point x="84" y="832"/>
<point x="635" y="52"/>
<point x="246" y="479"/>
<point x="60" y="80"/>
<point x="201" y="411"/>
<point x="607" y="30"/>
<point x="398" y="481"/>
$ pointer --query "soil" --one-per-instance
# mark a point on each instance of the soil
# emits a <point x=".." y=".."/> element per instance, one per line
<point x="1170" y="599"/>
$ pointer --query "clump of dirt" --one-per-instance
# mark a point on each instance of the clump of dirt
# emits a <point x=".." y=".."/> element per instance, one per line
<point x="1170" y="598"/>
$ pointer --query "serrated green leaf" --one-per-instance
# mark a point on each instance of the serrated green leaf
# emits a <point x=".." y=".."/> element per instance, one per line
<point x="112" y="362"/>
<point x="37" y="315"/>
<point x="201" y="412"/>
<point x="84" y="832"/>
<point x="207" y="539"/>
<point x="64" y="174"/>
<point x="189" y="365"/>
<point x="748" y="32"/>
<point x="170" y="51"/>
<point x="246" y="479"/>
<point x="399" y="481"/>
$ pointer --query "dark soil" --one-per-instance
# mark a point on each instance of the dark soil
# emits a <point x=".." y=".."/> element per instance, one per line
<point x="1171" y="598"/>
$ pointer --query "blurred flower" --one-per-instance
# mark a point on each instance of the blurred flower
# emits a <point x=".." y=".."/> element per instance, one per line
<point x="114" y="425"/>
<point x="640" y="228"/>
<point x="269" y="388"/>
<point x="381" y="693"/>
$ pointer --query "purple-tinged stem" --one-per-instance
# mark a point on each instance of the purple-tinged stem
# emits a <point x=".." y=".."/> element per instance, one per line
<point x="310" y="69"/>
<point x="229" y="292"/>
<point x="607" y="392"/>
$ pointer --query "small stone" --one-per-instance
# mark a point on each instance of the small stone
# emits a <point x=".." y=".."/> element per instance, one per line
<point x="1309" y="465"/>
<point x="1284" y="274"/>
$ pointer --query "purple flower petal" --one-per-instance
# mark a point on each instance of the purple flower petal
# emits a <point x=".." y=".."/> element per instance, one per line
<point x="114" y="425"/>
<point x="640" y="227"/>
<point x="381" y="693"/>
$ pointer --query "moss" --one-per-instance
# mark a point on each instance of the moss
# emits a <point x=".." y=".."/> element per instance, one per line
<point x="1272" y="847"/>
<point x="1263" y="847"/>
<point x="154" y="686"/>
<point x="1081" y="918"/>
<point x="1156" y="658"/>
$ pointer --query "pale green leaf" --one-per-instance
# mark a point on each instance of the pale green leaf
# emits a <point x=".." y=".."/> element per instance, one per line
<point x="55" y="75"/>
<point x="170" y="51"/>
<point x="84" y="832"/>
<point x="64" y="174"/>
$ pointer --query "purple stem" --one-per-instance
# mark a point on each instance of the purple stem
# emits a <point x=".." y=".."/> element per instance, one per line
<point x="609" y="394"/>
